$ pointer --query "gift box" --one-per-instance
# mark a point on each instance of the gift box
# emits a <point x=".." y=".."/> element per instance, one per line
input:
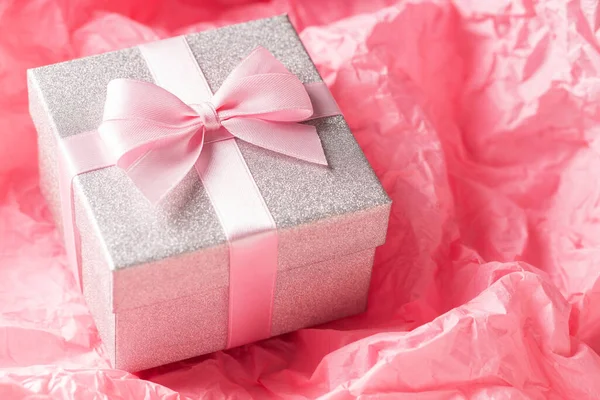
<point x="265" y="230"/>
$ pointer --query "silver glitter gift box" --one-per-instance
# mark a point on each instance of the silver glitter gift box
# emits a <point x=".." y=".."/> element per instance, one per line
<point x="156" y="278"/>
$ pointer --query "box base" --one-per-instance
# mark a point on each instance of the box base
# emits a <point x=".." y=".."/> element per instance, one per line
<point x="174" y="330"/>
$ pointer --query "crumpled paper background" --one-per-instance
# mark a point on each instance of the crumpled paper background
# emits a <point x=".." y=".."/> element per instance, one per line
<point x="481" y="118"/>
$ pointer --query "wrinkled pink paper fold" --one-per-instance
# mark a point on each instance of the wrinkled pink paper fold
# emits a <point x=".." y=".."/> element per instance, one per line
<point x="485" y="138"/>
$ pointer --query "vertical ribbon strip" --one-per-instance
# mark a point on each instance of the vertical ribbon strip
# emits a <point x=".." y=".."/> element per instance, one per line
<point x="241" y="210"/>
<point x="156" y="133"/>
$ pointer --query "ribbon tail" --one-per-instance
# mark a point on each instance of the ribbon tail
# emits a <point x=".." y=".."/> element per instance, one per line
<point x="160" y="169"/>
<point x="296" y="140"/>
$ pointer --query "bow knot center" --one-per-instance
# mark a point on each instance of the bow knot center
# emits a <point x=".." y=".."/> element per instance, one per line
<point x="208" y="114"/>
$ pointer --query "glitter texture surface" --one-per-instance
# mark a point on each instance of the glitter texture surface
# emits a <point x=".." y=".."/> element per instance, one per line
<point x="47" y="149"/>
<point x="97" y="279"/>
<point x="322" y="292"/>
<point x="161" y="258"/>
<point x="197" y="324"/>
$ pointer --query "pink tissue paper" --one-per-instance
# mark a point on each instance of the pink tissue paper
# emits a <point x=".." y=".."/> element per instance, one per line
<point x="479" y="118"/>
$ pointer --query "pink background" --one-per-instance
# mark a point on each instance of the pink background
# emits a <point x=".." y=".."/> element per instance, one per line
<point x="479" y="117"/>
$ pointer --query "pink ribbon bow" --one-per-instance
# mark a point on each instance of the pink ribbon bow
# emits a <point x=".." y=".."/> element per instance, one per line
<point x="157" y="138"/>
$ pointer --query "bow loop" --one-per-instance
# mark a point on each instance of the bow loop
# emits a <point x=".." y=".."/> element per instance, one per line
<point x="261" y="87"/>
<point x="264" y="97"/>
<point x="139" y="116"/>
<point x="128" y="99"/>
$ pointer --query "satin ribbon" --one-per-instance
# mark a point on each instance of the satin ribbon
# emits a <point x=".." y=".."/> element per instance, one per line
<point x="158" y="133"/>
